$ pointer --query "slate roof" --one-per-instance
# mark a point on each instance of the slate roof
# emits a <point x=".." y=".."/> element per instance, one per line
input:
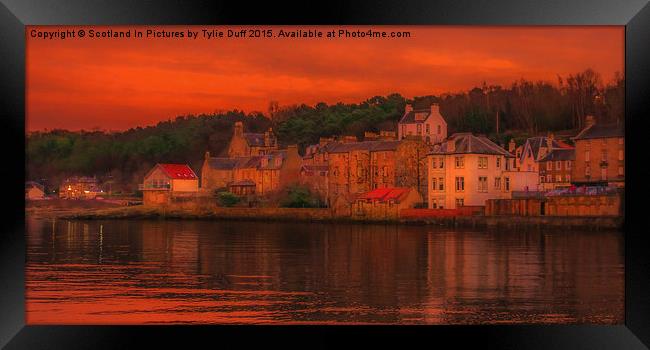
<point x="222" y="163"/>
<point x="372" y="146"/>
<point x="467" y="143"/>
<point x="409" y="118"/>
<point x="599" y="131"/>
<point x="537" y="142"/>
<point x="560" y="154"/>
<point x="385" y="194"/>
<point x="254" y="139"/>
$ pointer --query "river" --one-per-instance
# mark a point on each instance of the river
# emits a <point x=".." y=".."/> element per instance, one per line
<point x="210" y="272"/>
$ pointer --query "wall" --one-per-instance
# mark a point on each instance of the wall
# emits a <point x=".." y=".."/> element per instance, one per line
<point x="604" y="205"/>
<point x="595" y="147"/>
<point x="155" y="197"/>
<point x="179" y="185"/>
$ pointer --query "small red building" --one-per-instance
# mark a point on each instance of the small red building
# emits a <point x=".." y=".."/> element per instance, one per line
<point x="167" y="180"/>
<point x="385" y="203"/>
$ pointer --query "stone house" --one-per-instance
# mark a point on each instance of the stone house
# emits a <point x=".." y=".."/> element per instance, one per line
<point x="315" y="177"/>
<point x="243" y="144"/>
<point x="533" y="150"/>
<point x="385" y="203"/>
<point x="165" y="181"/>
<point x="426" y="123"/>
<point x="359" y="167"/>
<point x="600" y="155"/>
<point x="466" y="170"/>
<point x="555" y="169"/>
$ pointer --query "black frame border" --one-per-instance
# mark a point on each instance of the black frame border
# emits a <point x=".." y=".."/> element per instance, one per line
<point x="634" y="15"/>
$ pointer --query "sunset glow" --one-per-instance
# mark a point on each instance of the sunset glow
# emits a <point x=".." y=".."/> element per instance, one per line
<point x="116" y="84"/>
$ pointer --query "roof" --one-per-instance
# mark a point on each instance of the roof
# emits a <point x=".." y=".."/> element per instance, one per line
<point x="77" y="179"/>
<point x="178" y="171"/>
<point x="601" y="131"/>
<point x="560" y="154"/>
<point x="33" y="184"/>
<point x="254" y="139"/>
<point x="385" y="194"/>
<point x="409" y="117"/>
<point x="372" y="146"/>
<point x="467" y="143"/>
<point x="538" y="142"/>
<point x="222" y="163"/>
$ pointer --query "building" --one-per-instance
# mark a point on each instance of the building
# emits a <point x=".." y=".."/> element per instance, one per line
<point x="243" y="144"/>
<point x="165" y="181"/>
<point x="425" y="123"/>
<point x="555" y="169"/>
<point x="315" y="177"/>
<point x="34" y="190"/>
<point x="79" y="187"/>
<point x="385" y="203"/>
<point x="599" y="155"/>
<point x="259" y="174"/>
<point x="359" y="167"/>
<point x="384" y="135"/>
<point x="533" y="150"/>
<point x="466" y="170"/>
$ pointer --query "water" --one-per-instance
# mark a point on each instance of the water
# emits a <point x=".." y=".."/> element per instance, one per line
<point x="135" y="272"/>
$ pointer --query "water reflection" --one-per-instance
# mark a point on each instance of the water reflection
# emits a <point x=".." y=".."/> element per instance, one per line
<point x="119" y="272"/>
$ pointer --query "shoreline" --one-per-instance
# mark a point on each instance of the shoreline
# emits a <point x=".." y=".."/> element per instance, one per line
<point x="324" y="215"/>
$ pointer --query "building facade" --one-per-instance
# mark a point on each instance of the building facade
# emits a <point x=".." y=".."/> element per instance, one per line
<point x="466" y="170"/>
<point x="165" y="181"/>
<point x="425" y="123"/>
<point x="556" y="168"/>
<point x="600" y="155"/>
<point x="79" y="187"/>
<point x="385" y="203"/>
<point x="244" y="144"/>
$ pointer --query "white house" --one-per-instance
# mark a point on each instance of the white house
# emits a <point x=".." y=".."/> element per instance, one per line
<point x="426" y="123"/>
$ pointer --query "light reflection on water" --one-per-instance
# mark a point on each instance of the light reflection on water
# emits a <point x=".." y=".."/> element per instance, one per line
<point x="133" y="272"/>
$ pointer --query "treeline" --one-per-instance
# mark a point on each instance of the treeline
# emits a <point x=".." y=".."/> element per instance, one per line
<point x="525" y="106"/>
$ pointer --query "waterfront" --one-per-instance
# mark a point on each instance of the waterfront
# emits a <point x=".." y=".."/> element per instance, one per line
<point x="156" y="271"/>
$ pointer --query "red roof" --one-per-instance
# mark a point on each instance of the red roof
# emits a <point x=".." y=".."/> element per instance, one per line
<point x="385" y="194"/>
<point x="178" y="171"/>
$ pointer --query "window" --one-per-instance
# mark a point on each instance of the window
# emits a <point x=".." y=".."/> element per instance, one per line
<point x="549" y="178"/>
<point x="460" y="184"/>
<point x="442" y="162"/>
<point x="587" y="156"/>
<point x="568" y="178"/>
<point x="441" y="184"/>
<point x="620" y="171"/>
<point x="558" y="165"/>
<point x="498" y="162"/>
<point x="460" y="202"/>
<point x="567" y="165"/>
<point x="541" y="179"/>
<point x="558" y="178"/>
<point x="433" y="162"/>
<point x="620" y="154"/>
<point x="506" y="183"/>
<point x="587" y="171"/>
<point x="427" y="128"/>
<point x="482" y="184"/>
<point x="460" y="162"/>
<point x="549" y="166"/>
<point x="603" y="155"/>
<point x="439" y="130"/>
<point x="434" y="204"/>
<point x="433" y="183"/>
<point x="497" y="183"/>
<point x="419" y="129"/>
<point x="620" y="141"/>
<point x="482" y="162"/>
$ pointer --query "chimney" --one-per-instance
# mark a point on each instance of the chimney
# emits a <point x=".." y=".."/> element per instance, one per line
<point x="408" y="108"/>
<point x="207" y="154"/>
<point x="589" y="121"/>
<point x="324" y="140"/>
<point x="451" y="145"/>
<point x="239" y="129"/>
<point x="512" y="146"/>
<point x="435" y="108"/>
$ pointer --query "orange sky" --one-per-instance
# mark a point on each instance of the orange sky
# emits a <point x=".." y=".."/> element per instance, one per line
<point x="115" y="84"/>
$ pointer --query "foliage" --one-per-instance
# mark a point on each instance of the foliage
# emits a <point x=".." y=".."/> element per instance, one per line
<point x="297" y="196"/>
<point x="227" y="199"/>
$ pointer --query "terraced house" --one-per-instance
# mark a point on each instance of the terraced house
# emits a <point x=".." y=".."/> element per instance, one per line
<point x="555" y="169"/>
<point x="600" y="155"/>
<point x="466" y="170"/>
